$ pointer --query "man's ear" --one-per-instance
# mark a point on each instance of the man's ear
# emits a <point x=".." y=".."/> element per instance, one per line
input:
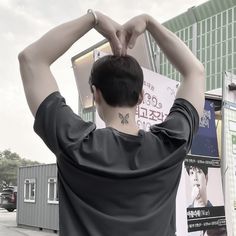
<point x="140" y="99"/>
<point x="96" y="94"/>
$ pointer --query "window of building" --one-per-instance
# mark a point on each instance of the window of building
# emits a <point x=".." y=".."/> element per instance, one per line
<point x="230" y="17"/>
<point x="203" y="27"/>
<point x="208" y="25"/>
<point x="224" y="34"/>
<point x="213" y="23"/>
<point x="218" y="35"/>
<point x="224" y="51"/>
<point x="52" y="190"/>
<point x="224" y="18"/>
<point x="29" y="190"/>
<point x="230" y="33"/>
<point x="235" y="28"/>
<point x="219" y="20"/>
<point x="208" y="37"/>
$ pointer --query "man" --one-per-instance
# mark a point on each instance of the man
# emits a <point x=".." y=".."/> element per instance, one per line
<point x="118" y="180"/>
<point x="198" y="178"/>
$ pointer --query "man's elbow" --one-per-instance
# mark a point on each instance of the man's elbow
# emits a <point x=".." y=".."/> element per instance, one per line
<point x="24" y="57"/>
<point x="202" y="69"/>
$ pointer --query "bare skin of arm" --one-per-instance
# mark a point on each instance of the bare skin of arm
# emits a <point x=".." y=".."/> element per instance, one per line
<point x="192" y="87"/>
<point x="35" y="60"/>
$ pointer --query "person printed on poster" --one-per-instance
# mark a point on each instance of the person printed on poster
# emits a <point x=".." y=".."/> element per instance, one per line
<point x="198" y="176"/>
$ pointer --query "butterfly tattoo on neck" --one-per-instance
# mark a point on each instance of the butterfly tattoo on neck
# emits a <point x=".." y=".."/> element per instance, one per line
<point x="124" y="119"/>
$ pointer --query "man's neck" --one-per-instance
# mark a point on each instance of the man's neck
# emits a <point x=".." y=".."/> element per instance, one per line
<point x="121" y="119"/>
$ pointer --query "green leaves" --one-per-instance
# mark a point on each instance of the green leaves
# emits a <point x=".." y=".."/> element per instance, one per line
<point x="9" y="163"/>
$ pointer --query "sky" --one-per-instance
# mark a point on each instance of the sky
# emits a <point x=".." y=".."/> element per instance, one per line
<point x="23" y="22"/>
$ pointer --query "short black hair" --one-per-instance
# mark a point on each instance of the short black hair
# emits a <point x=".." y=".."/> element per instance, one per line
<point x="119" y="78"/>
<point x="204" y="168"/>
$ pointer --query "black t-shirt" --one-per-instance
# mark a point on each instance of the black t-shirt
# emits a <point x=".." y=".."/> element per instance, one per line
<point x="112" y="183"/>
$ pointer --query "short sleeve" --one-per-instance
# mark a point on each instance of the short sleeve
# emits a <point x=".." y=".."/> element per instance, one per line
<point x="58" y="126"/>
<point x="180" y="125"/>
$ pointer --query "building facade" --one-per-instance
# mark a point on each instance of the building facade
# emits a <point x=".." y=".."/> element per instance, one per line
<point x="209" y="30"/>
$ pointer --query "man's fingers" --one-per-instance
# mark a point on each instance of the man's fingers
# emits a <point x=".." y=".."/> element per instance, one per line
<point x="115" y="45"/>
<point x="132" y="40"/>
<point x="122" y="38"/>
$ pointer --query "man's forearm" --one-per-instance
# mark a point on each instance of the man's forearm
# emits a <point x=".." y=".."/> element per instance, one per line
<point x="175" y="50"/>
<point x="58" y="40"/>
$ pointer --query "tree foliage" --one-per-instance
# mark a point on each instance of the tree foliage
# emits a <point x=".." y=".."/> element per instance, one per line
<point x="9" y="163"/>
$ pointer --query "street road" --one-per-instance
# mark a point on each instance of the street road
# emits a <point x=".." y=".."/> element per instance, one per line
<point x="8" y="226"/>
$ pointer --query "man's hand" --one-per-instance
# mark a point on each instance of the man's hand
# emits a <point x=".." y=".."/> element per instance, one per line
<point x="134" y="28"/>
<point x="113" y="32"/>
<point x="121" y="36"/>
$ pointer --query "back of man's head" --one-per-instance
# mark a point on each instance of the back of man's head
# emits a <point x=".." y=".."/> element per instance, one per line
<point x="119" y="78"/>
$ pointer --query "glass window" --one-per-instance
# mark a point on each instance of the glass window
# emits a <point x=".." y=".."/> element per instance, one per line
<point x="203" y="27"/>
<point x="203" y="42"/>
<point x="218" y="50"/>
<point x="208" y="39"/>
<point x="29" y="190"/>
<point x="224" y="18"/>
<point x="213" y="52"/>
<point x="164" y="69"/>
<point x="213" y="84"/>
<point x="208" y="54"/>
<point x="224" y="35"/>
<point x="190" y="32"/>
<point x="213" y="67"/>
<point x="224" y="63"/>
<point x="208" y="24"/>
<point x="52" y="190"/>
<point x="230" y="18"/>
<point x="230" y="31"/>
<point x="161" y="69"/>
<point x="161" y="57"/>
<point x="234" y="60"/>
<point x="213" y="23"/>
<point x="208" y="68"/>
<point x="186" y="34"/>
<point x="169" y="69"/>
<point x="230" y="48"/>
<point x="224" y="51"/>
<point x="213" y="38"/>
<point x="218" y="65"/>
<point x="198" y="42"/>
<point x="219" y="35"/>
<point x="203" y="55"/>
<point x="229" y="64"/>
<point x="235" y="27"/>
<point x="199" y="28"/>
<point x="219" y="20"/>
<point x="219" y="80"/>
<point x="208" y="85"/>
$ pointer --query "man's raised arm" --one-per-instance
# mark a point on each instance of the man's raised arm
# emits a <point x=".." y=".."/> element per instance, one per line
<point x="35" y="60"/>
<point x="192" y="87"/>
